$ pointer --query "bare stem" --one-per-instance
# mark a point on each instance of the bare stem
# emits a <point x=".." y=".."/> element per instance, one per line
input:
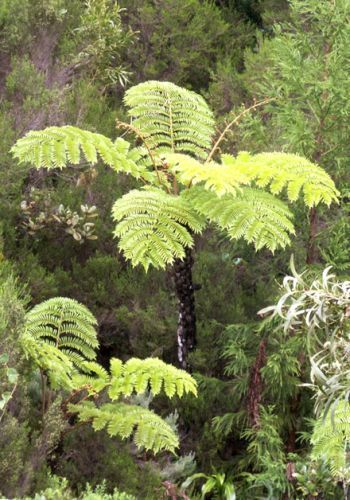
<point x="141" y="136"/>
<point x="234" y="122"/>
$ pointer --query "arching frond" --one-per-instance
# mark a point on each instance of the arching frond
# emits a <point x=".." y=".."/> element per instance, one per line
<point x="253" y="215"/>
<point x="221" y="179"/>
<point x="56" y="147"/>
<point x="154" y="227"/>
<point x="138" y="375"/>
<point x="123" y="420"/>
<point x="148" y="429"/>
<point x="172" y="118"/>
<point x="55" y="362"/>
<point x="66" y="325"/>
<point x="278" y="171"/>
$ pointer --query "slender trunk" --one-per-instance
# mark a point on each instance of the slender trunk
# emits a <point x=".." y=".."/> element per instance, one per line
<point x="311" y="256"/>
<point x="186" y="330"/>
<point x="256" y="385"/>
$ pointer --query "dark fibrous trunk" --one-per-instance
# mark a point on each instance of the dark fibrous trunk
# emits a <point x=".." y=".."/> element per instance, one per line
<point x="186" y="330"/>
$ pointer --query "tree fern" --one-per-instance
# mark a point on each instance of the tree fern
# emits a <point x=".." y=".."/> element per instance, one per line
<point x="154" y="227"/>
<point x="135" y="376"/>
<point x="176" y="127"/>
<point x="174" y="119"/>
<point x="60" y="338"/>
<point x="65" y="324"/>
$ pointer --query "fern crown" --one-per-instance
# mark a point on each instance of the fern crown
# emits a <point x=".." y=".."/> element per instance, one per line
<point x="176" y="128"/>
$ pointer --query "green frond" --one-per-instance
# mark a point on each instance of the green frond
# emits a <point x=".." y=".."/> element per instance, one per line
<point x="172" y="118"/>
<point x="331" y="439"/>
<point x="94" y="377"/>
<point x="222" y="179"/>
<point x="66" y="325"/>
<point x="148" y="429"/>
<point x="154" y="227"/>
<point x="254" y="215"/>
<point x="56" y="147"/>
<point x="50" y="359"/>
<point x="138" y="375"/>
<point x="279" y="171"/>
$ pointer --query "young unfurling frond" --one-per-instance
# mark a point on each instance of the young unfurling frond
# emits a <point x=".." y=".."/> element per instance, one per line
<point x="253" y="215"/>
<point x="56" y="147"/>
<point x="278" y="171"/>
<point x="154" y="227"/>
<point x="172" y="118"/>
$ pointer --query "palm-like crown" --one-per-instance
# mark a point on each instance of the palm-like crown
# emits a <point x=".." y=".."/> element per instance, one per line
<point x="190" y="189"/>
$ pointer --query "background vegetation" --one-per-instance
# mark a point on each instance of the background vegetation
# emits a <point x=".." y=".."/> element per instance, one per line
<point x="251" y="431"/>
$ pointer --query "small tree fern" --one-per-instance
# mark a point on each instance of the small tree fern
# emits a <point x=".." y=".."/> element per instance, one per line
<point x="191" y="184"/>
<point x="60" y="338"/>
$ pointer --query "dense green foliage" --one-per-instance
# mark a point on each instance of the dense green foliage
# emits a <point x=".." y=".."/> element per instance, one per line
<point x="124" y="104"/>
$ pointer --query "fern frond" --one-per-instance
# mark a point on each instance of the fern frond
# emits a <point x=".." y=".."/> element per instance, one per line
<point x="149" y="430"/>
<point x="331" y="439"/>
<point x="138" y="375"/>
<point x="172" y="118"/>
<point x="222" y="179"/>
<point x="279" y="171"/>
<point x="50" y="359"/>
<point x="94" y="378"/>
<point x="254" y="215"/>
<point x="65" y="324"/>
<point x="56" y="147"/>
<point x="152" y="227"/>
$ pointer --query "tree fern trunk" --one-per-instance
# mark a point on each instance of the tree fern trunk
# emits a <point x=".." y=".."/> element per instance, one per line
<point x="186" y="330"/>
